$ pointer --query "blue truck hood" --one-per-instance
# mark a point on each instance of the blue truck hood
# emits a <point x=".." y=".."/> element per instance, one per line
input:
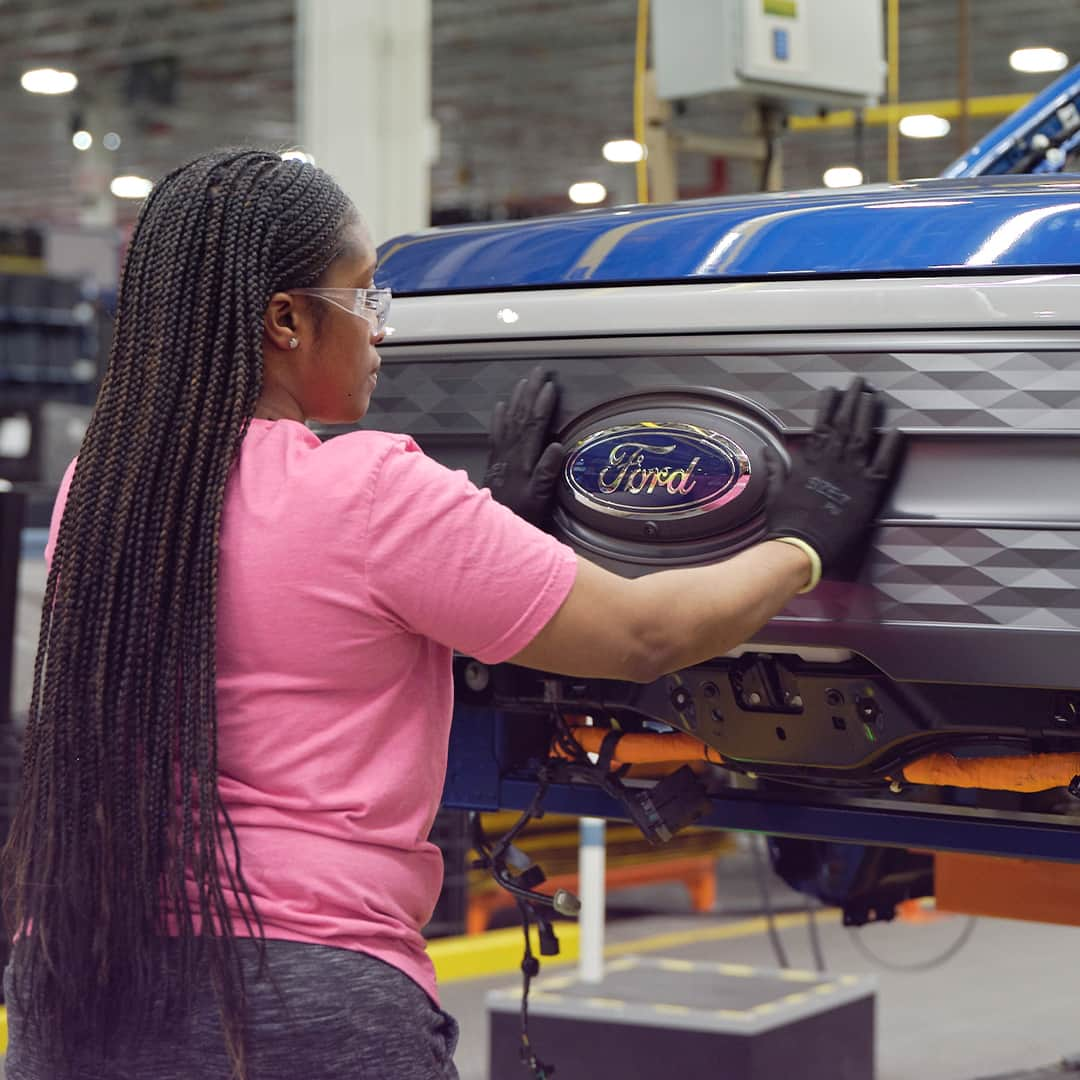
<point x="975" y="218"/>
<point x="1021" y="222"/>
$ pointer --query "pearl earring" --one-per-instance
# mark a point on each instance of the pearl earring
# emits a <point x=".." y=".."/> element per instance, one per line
<point x="293" y="342"/>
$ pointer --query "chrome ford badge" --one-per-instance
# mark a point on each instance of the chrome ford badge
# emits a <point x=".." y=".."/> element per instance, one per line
<point x="657" y="470"/>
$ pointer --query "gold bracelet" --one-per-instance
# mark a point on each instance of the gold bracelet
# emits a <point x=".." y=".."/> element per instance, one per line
<point x="811" y="554"/>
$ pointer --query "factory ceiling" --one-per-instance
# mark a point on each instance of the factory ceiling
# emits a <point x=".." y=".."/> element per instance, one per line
<point x="525" y="92"/>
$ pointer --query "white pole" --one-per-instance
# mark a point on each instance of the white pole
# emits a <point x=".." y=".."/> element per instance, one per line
<point x="364" y="104"/>
<point x="591" y="863"/>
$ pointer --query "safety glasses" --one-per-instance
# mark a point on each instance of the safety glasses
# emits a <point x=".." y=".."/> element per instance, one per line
<point x="370" y="304"/>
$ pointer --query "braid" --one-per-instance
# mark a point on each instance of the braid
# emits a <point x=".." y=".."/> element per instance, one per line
<point x="119" y="838"/>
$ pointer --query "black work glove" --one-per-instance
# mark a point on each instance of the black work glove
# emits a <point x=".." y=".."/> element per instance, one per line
<point x="836" y="486"/>
<point x="522" y="470"/>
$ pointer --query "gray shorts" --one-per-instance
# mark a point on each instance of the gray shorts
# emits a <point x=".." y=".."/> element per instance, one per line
<point x="331" y="1014"/>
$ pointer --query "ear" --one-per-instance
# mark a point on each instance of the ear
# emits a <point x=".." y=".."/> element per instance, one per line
<point x="280" y="321"/>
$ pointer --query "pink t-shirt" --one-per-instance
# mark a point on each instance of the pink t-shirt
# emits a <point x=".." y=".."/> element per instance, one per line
<point x="349" y="571"/>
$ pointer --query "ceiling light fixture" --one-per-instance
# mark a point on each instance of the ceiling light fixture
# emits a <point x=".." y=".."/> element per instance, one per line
<point x="49" y="81"/>
<point x="842" y="176"/>
<point x="111" y="141"/>
<point x="82" y="140"/>
<point x="587" y="192"/>
<point x="924" y="126"/>
<point x="131" y="187"/>
<point x="624" y="151"/>
<point x="1038" y="60"/>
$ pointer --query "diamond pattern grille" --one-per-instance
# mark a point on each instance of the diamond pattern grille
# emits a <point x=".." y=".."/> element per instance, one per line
<point x="925" y="574"/>
<point x="986" y="391"/>
<point x="1026" y="579"/>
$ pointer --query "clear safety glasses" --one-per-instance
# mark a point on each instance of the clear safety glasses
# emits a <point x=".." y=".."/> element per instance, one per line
<point x="370" y="304"/>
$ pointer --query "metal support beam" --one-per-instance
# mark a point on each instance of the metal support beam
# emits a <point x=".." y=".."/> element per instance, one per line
<point x="973" y="832"/>
<point x="877" y="115"/>
<point x="485" y="745"/>
<point x="747" y="147"/>
<point x="660" y="148"/>
<point x="892" y="37"/>
<point x="963" y="74"/>
<point x="663" y="144"/>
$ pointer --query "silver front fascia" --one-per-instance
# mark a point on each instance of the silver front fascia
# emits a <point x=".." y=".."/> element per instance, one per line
<point x="1043" y="300"/>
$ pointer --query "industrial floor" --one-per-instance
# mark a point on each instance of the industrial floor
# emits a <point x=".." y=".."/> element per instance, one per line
<point x="1007" y="1004"/>
<point x="1004" y="1006"/>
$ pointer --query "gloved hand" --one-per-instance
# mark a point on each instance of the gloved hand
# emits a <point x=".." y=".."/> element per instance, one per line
<point x="521" y="470"/>
<point x="840" y="479"/>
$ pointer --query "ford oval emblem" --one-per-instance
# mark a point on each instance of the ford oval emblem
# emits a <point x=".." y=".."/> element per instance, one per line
<point x="657" y="470"/>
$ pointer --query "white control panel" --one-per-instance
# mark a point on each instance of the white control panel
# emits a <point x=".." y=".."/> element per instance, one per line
<point x="816" y="52"/>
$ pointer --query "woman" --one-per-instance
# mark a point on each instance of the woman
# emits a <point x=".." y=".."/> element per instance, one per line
<point x="242" y="697"/>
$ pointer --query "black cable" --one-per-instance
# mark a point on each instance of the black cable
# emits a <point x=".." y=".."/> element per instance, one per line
<point x="923" y="965"/>
<point x="760" y="872"/>
<point x="534" y="810"/>
<point x="766" y="165"/>
<point x="493" y="859"/>
<point x="815" y="937"/>
<point x="859" y="129"/>
<point x="530" y="967"/>
<point x="565" y="739"/>
<point x="869" y="786"/>
<point x="765" y="119"/>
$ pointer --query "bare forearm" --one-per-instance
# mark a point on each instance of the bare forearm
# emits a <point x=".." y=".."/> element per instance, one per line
<point x="614" y="628"/>
<point x="700" y="612"/>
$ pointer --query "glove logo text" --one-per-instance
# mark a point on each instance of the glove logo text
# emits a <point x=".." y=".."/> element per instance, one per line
<point x="835" y="498"/>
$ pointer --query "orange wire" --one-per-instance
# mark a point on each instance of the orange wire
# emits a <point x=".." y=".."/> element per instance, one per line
<point x="1021" y="772"/>
<point x="1027" y="772"/>
<point x="644" y="748"/>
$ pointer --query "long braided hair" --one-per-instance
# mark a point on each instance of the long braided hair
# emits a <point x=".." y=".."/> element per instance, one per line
<point x="119" y="801"/>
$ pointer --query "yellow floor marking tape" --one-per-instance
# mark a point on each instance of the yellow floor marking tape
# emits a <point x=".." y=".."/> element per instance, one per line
<point x="605" y="1002"/>
<point x="677" y="965"/>
<point x="744" y="928"/>
<point x="794" y="975"/>
<point x="732" y="1014"/>
<point x="3" y="1029"/>
<point x="544" y="995"/>
<point x="736" y="970"/>
<point x="498" y="952"/>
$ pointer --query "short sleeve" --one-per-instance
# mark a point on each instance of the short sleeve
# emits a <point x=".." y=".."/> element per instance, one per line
<point x="58" y="513"/>
<point x="446" y="561"/>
